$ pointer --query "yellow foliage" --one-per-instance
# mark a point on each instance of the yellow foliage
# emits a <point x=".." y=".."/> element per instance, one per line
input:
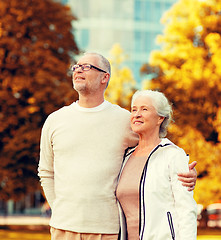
<point x="190" y="76"/>
<point x="122" y="83"/>
<point x="207" y="155"/>
<point x="213" y="40"/>
<point x="146" y="84"/>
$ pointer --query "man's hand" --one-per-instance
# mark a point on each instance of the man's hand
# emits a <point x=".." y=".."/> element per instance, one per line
<point x="189" y="179"/>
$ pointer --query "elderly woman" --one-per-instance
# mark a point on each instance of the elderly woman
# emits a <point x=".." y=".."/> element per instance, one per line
<point x="153" y="203"/>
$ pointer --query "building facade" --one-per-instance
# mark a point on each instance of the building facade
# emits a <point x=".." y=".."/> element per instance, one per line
<point x="134" y="24"/>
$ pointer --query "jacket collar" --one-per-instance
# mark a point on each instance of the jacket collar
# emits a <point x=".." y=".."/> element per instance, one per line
<point x="164" y="142"/>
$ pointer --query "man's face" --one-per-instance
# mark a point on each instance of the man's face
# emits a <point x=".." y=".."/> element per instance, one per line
<point x="88" y="82"/>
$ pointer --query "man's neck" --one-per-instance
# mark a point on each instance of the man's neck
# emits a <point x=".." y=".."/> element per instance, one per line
<point x="90" y="102"/>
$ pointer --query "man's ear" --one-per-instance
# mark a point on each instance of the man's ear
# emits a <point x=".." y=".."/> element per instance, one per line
<point x="105" y="78"/>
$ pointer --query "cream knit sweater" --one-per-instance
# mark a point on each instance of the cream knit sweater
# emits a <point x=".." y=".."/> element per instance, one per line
<point x="80" y="158"/>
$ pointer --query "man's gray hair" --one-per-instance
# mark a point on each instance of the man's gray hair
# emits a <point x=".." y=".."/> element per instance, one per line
<point x="103" y="63"/>
<point x="161" y="105"/>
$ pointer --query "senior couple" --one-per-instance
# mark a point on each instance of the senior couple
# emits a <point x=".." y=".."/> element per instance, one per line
<point x="108" y="174"/>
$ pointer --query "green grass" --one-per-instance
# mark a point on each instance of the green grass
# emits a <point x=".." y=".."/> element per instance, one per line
<point x="32" y="235"/>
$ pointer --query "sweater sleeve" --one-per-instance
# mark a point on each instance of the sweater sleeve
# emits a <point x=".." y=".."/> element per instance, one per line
<point x="185" y="205"/>
<point x="45" y="167"/>
<point x="131" y="137"/>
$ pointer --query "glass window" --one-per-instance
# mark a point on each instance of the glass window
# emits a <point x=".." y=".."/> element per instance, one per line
<point x="148" y="11"/>
<point x="137" y="40"/>
<point x="137" y="10"/>
<point x="147" y="45"/>
<point x="83" y="40"/>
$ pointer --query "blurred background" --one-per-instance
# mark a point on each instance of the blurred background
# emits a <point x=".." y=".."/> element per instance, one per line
<point x="169" y="45"/>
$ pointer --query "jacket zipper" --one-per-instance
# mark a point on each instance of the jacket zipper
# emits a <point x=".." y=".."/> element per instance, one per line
<point x="170" y="220"/>
<point x="141" y="190"/>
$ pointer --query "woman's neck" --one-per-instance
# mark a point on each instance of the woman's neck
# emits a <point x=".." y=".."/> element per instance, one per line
<point x="146" y="145"/>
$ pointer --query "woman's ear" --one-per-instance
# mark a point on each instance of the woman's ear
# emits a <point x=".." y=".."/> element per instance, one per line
<point x="160" y="120"/>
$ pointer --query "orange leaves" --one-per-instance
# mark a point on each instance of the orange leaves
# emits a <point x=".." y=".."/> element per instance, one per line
<point x="217" y="123"/>
<point x="35" y="45"/>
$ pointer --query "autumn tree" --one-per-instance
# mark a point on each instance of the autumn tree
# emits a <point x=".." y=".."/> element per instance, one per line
<point x="187" y="69"/>
<point x="36" y="44"/>
<point x="122" y="84"/>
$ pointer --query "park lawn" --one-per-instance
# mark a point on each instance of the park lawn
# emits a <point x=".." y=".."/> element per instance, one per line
<point x="208" y="237"/>
<point x="209" y="234"/>
<point x="29" y="235"/>
<point x="18" y="235"/>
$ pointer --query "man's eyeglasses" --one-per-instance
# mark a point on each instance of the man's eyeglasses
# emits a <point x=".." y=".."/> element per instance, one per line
<point x="85" y="67"/>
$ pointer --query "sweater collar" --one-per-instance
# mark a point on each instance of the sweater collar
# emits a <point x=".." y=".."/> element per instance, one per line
<point x="98" y="108"/>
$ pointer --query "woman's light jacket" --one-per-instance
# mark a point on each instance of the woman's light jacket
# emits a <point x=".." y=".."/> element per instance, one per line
<point x="167" y="209"/>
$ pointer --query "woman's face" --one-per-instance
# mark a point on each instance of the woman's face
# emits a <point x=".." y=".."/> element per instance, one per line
<point x="144" y="117"/>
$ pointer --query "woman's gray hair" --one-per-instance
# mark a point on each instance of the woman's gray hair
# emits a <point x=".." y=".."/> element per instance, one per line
<point x="161" y="105"/>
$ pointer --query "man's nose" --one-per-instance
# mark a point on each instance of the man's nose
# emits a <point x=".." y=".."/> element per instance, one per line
<point x="79" y="69"/>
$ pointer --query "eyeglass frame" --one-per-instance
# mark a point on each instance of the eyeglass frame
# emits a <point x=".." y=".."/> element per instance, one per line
<point x="82" y="65"/>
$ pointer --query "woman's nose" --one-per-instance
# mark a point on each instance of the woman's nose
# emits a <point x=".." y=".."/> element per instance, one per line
<point x="137" y="113"/>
